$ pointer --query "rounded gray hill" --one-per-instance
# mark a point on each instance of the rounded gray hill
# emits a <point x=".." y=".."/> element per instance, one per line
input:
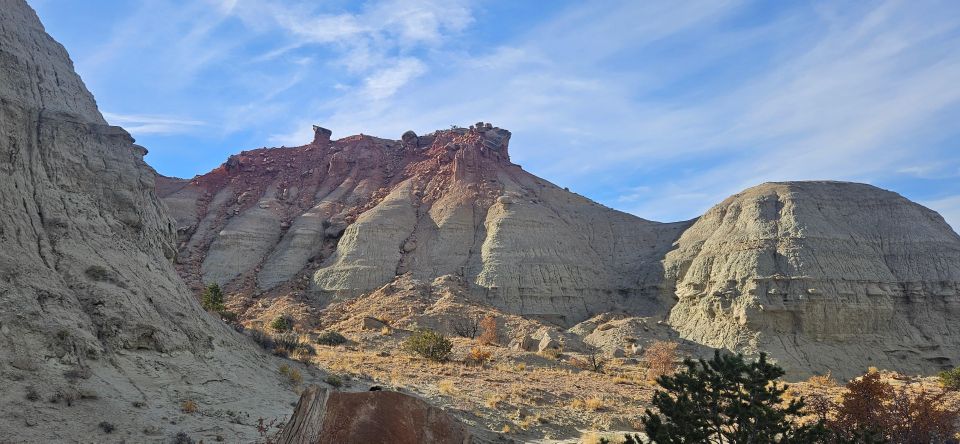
<point x="823" y="276"/>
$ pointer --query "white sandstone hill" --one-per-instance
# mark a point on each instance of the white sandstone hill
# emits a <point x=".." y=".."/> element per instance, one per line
<point x="824" y="276"/>
<point x="95" y="324"/>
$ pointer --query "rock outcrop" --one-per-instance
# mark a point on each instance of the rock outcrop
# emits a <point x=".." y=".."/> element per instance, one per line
<point x="825" y="276"/>
<point x="95" y="319"/>
<point x="329" y="417"/>
<point x="334" y="221"/>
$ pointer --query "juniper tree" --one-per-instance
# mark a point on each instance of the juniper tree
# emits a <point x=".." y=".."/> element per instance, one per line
<point x="726" y="400"/>
<point x="212" y="298"/>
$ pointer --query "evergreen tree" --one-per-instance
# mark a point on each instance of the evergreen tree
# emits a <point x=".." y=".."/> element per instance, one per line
<point x="726" y="400"/>
<point x="212" y="298"/>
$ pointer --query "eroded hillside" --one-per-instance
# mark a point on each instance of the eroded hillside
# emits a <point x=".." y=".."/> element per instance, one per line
<point x="337" y="219"/>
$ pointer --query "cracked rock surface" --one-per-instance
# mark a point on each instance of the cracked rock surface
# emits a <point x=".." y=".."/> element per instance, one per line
<point x="95" y="324"/>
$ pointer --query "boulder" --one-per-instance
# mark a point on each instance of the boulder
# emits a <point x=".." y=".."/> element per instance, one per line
<point x="371" y="323"/>
<point x="547" y="343"/>
<point x="328" y="417"/>
<point x="524" y="343"/>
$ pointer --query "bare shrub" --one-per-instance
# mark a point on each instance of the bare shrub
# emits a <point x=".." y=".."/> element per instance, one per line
<point x="595" y="360"/>
<point x="478" y="356"/>
<point x="467" y="327"/>
<point x="489" y="334"/>
<point x="872" y="408"/>
<point x="661" y="358"/>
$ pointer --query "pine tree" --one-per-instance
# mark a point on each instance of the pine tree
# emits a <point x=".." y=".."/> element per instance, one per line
<point x="726" y="400"/>
<point x="212" y="298"/>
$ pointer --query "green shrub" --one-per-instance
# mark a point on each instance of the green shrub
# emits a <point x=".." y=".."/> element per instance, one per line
<point x="280" y="324"/>
<point x="289" y="341"/>
<point x="212" y="298"/>
<point x="429" y="344"/>
<point x="727" y="399"/>
<point x="950" y="379"/>
<point x="334" y="381"/>
<point x="228" y="316"/>
<point x="330" y="337"/>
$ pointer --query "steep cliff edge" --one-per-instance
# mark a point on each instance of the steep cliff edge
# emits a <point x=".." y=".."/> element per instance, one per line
<point x="95" y="320"/>
<point x="336" y="219"/>
<point x="822" y="275"/>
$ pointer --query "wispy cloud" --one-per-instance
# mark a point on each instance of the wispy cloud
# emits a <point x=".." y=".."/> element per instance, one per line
<point x="137" y="124"/>
<point x="659" y="108"/>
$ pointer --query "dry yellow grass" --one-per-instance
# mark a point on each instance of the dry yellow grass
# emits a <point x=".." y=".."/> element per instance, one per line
<point x="493" y="393"/>
<point x="493" y="400"/>
<point x="591" y="438"/>
<point x="594" y="404"/>
<point x="189" y="406"/>
<point x="447" y="387"/>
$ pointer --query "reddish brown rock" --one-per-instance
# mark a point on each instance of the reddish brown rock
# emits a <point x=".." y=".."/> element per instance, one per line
<point x="324" y="416"/>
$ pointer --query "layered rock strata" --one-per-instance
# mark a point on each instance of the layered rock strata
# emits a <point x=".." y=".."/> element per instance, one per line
<point x="95" y="320"/>
<point x="825" y="276"/>
<point x="337" y="219"/>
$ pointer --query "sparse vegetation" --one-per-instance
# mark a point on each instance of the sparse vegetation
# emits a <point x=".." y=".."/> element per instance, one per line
<point x="661" y="359"/>
<point x="726" y="399"/>
<point x="189" y="406"/>
<point x="478" y="356"/>
<point x="290" y="374"/>
<point x="594" y="403"/>
<point x="446" y="387"/>
<point x="229" y="317"/>
<point x="106" y="427"/>
<point x="950" y="379"/>
<point x="182" y="438"/>
<point x="330" y="337"/>
<point x="334" y="381"/>
<point x="493" y="400"/>
<point x="872" y="410"/>
<point x="429" y="344"/>
<point x="595" y="361"/>
<point x="468" y="327"/>
<point x="489" y="335"/>
<point x="68" y="395"/>
<point x="552" y="354"/>
<point x="212" y="299"/>
<point x="280" y="324"/>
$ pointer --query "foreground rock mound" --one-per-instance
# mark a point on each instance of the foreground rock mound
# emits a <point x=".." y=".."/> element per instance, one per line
<point x="96" y="326"/>
<point x="825" y="276"/>
<point x="336" y="219"/>
<point x="330" y="417"/>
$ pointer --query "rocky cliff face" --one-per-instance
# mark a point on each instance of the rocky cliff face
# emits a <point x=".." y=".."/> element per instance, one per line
<point x="336" y="219"/>
<point x="822" y="275"/>
<point x="93" y="311"/>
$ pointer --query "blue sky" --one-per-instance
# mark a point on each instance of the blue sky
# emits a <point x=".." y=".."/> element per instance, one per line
<point x="661" y="109"/>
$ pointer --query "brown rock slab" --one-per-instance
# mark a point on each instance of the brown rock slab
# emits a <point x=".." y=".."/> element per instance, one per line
<point x="329" y="417"/>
